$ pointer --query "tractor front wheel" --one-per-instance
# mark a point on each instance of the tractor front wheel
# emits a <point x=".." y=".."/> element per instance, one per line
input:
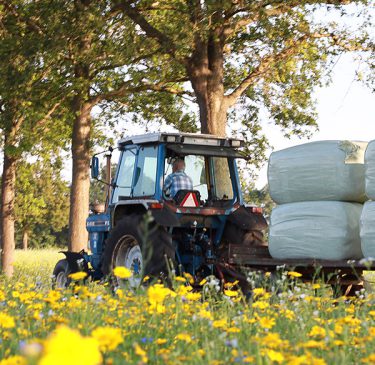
<point x="142" y="253"/>
<point x="60" y="277"/>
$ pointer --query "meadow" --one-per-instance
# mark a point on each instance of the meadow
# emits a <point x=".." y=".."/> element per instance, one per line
<point x="285" y="322"/>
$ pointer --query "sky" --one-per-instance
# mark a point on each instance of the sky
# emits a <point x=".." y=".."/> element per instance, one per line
<point x="346" y="111"/>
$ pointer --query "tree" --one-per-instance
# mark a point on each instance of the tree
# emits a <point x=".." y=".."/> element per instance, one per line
<point x="99" y="52"/>
<point x="26" y="104"/>
<point x="42" y="201"/>
<point x="265" y="55"/>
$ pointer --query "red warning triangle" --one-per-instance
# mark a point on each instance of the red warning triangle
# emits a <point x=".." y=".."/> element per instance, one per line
<point x="190" y="200"/>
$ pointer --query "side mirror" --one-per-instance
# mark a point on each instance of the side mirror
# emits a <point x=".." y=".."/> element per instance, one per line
<point x="94" y="167"/>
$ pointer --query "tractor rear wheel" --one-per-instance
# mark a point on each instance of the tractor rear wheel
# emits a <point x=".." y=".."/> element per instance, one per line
<point x="126" y="246"/>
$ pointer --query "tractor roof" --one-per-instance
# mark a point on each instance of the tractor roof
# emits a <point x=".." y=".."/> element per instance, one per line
<point x="183" y="138"/>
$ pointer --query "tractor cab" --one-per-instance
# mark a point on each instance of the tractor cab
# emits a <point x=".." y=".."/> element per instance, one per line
<point x="146" y="162"/>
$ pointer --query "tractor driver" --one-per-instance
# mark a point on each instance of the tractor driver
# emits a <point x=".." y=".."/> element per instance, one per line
<point x="178" y="179"/>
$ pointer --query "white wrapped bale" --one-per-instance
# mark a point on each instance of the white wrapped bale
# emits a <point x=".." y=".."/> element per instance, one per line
<point x="325" y="170"/>
<point x="370" y="170"/>
<point x="368" y="230"/>
<point x="326" y="230"/>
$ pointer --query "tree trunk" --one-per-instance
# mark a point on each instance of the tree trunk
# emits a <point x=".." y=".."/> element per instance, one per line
<point x="79" y="195"/>
<point x="25" y="239"/>
<point x="7" y="214"/>
<point x="206" y="69"/>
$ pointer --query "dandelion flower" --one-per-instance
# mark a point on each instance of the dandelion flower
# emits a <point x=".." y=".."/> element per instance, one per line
<point x="80" y="275"/>
<point x="294" y="274"/>
<point x="67" y="346"/>
<point x="6" y="321"/>
<point x="13" y="360"/>
<point x="122" y="272"/>
<point x="108" y="337"/>
<point x="184" y="337"/>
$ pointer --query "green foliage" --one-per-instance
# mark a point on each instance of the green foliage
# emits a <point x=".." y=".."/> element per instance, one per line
<point x="42" y="203"/>
<point x="261" y="197"/>
<point x="28" y="80"/>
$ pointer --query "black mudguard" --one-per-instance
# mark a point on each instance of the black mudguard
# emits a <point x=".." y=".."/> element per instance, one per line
<point x="165" y="217"/>
<point x="245" y="219"/>
<point x="76" y="261"/>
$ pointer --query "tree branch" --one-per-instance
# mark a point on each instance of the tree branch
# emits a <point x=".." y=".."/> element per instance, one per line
<point x="132" y="61"/>
<point x="266" y="64"/>
<point x="41" y="121"/>
<point x="126" y="88"/>
<point x="132" y="12"/>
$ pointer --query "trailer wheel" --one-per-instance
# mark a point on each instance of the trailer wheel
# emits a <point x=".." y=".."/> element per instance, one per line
<point x="126" y="246"/>
<point x="60" y="276"/>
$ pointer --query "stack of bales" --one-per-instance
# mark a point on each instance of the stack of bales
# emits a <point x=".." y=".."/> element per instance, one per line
<point x="320" y="188"/>
<point x="368" y="213"/>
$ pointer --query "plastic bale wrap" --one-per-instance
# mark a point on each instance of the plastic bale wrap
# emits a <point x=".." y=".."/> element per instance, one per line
<point x="368" y="229"/>
<point x="370" y="170"/>
<point x="325" y="170"/>
<point x="325" y="230"/>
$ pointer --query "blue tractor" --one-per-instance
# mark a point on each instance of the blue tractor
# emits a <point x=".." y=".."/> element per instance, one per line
<point x="203" y="230"/>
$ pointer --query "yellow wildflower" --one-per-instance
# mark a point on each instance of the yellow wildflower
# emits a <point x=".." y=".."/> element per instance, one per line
<point x="229" y="285"/>
<point x="80" y="275"/>
<point x="294" y="274"/>
<point x="122" y="272"/>
<point x="184" y="337"/>
<point x="67" y="346"/>
<point x="233" y="330"/>
<point x="161" y="341"/>
<point x="146" y="278"/>
<point x="338" y="342"/>
<point x="298" y="360"/>
<point x="200" y="353"/>
<point x="260" y="305"/>
<point x="108" y="337"/>
<point x="203" y="313"/>
<point x="230" y="293"/>
<point x="275" y="356"/>
<point x="189" y="277"/>
<point x="6" y="321"/>
<point x="312" y="344"/>
<point x="272" y="340"/>
<point x="183" y="290"/>
<point x="140" y="352"/>
<point x="157" y="293"/>
<point x="13" y="360"/>
<point x="248" y="359"/>
<point x="338" y="329"/>
<point x="219" y="323"/>
<point x="52" y="297"/>
<point x="180" y="279"/>
<point x="265" y="322"/>
<point x="317" y="331"/>
<point x="258" y="292"/>
<point x="193" y="296"/>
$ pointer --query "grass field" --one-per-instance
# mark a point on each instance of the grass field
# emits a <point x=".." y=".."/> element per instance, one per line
<point x="289" y="323"/>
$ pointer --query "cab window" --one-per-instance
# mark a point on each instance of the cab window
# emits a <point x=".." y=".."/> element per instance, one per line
<point x="125" y="175"/>
<point x="222" y="182"/>
<point x="145" y="174"/>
